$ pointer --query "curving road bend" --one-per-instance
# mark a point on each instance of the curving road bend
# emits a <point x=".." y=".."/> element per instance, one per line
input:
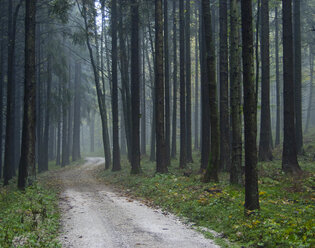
<point x="94" y="216"/>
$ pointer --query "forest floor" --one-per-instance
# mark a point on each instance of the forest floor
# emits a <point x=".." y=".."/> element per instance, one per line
<point x="94" y="215"/>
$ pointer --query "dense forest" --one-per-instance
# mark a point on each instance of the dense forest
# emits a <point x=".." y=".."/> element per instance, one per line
<point x="217" y="94"/>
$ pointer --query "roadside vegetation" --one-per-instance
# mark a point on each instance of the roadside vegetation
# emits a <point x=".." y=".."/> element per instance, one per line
<point x="286" y="217"/>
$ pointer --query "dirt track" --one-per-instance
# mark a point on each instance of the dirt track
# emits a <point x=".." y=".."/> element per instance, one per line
<point x="95" y="216"/>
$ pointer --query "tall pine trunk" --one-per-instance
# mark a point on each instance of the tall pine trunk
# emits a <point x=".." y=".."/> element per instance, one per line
<point x="116" y="150"/>
<point x="167" y="87"/>
<point x="135" y="89"/>
<point x="235" y="94"/>
<point x="277" y="140"/>
<point x="250" y="108"/>
<point x="161" y="163"/>
<point x="77" y="113"/>
<point x="213" y="166"/>
<point x="183" y="148"/>
<point x="265" y="149"/>
<point x="225" y="158"/>
<point x="27" y="162"/>
<point x="174" y="117"/>
<point x="289" y="154"/>
<point x="188" y="83"/>
<point x="297" y="75"/>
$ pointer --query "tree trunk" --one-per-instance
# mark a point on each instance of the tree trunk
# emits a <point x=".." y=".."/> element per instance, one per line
<point x="309" y="108"/>
<point x="197" y="37"/>
<point x="297" y="75"/>
<point x="167" y="88"/>
<point x="213" y="166"/>
<point x="143" y="101"/>
<point x="250" y="109"/>
<point x="277" y="141"/>
<point x="235" y="94"/>
<point x="76" y="155"/>
<point x="135" y="89"/>
<point x="47" y="116"/>
<point x="188" y="83"/>
<point x="174" y="118"/>
<point x="265" y="149"/>
<point x="161" y="166"/>
<point x="225" y="158"/>
<point x="92" y="128"/>
<point x="183" y="148"/>
<point x="289" y="154"/>
<point x="9" y="170"/>
<point x="27" y="162"/>
<point x="205" y="103"/>
<point x="116" y="150"/>
<point x="2" y="63"/>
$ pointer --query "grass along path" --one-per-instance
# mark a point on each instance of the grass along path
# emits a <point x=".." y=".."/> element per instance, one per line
<point x="287" y="211"/>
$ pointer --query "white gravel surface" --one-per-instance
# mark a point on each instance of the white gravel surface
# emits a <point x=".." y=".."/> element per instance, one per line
<point x="94" y="216"/>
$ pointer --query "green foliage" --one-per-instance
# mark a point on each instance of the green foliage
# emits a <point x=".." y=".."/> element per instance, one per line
<point x="29" y="218"/>
<point x="286" y="218"/>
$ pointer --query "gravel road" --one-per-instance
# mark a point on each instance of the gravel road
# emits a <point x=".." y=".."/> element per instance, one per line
<point x="93" y="216"/>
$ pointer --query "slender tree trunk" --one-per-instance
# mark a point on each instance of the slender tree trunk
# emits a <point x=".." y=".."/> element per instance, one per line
<point x="225" y="158"/>
<point x="58" y="157"/>
<point x="27" y="162"/>
<point x="116" y="150"/>
<point x="174" y="118"/>
<point x="258" y="21"/>
<point x="143" y="101"/>
<point x="92" y="128"/>
<point x="161" y="163"/>
<point x="277" y="141"/>
<point x="167" y="88"/>
<point x="183" y="148"/>
<point x="250" y="109"/>
<point x="188" y="83"/>
<point x="309" y="108"/>
<point x="213" y="166"/>
<point x="197" y="37"/>
<point x="64" y="151"/>
<point x="297" y="75"/>
<point x="265" y="149"/>
<point x="235" y="94"/>
<point x="135" y="89"/>
<point x="2" y="48"/>
<point x="9" y="170"/>
<point x="76" y="155"/>
<point x="47" y="116"/>
<point x="205" y="103"/>
<point x="289" y="154"/>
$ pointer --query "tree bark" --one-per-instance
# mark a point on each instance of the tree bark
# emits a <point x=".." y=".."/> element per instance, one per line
<point x="309" y="108"/>
<point x="289" y="153"/>
<point x="167" y="88"/>
<point x="183" y="148"/>
<point x="205" y="103"/>
<point x="213" y="166"/>
<point x="188" y="83"/>
<point x="116" y="150"/>
<point x="76" y="155"/>
<point x="174" y="118"/>
<point x="135" y="89"/>
<point x="225" y="158"/>
<point x="297" y="75"/>
<point x="197" y="38"/>
<point x="265" y="149"/>
<point x="27" y="162"/>
<point x="161" y="163"/>
<point x="277" y="140"/>
<point x="235" y="94"/>
<point x="250" y="109"/>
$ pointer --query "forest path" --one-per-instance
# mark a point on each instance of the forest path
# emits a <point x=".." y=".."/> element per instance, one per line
<point x="93" y="215"/>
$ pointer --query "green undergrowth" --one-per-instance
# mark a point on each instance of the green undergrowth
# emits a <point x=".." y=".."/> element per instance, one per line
<point x="28" y="218"/>
<point x="31" y="218"/>
<point x="286" y="218"/>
